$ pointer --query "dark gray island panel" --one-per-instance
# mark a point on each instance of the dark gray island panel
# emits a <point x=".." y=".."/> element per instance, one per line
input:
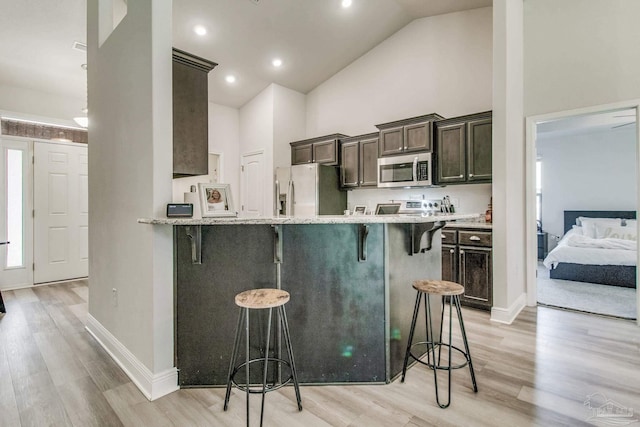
<point x="337" y="302"/>
<point x="351" y="296"/>
<point x="234" y="259"/>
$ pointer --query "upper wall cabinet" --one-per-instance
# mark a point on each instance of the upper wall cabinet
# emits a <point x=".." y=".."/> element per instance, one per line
<point x="323" y="149"/>
<point x="405" y="136"/>
<point x="359" y="161"/>
<point x="190" y="114"/>
<point x="463" y="149"/>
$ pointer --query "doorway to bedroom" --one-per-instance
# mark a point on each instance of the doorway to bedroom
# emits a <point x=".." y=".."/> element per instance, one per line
<point x="586" y="197"/>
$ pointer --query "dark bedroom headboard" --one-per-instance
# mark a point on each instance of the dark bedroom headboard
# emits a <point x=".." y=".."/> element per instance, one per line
<point x="570" y="216"/>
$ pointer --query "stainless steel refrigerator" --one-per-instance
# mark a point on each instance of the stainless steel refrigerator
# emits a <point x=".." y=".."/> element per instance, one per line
<point x="308" y="190"/>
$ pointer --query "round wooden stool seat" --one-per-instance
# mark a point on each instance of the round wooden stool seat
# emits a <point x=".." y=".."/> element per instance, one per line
<point x="438" y="287"/>
<point x="262" y="298"/>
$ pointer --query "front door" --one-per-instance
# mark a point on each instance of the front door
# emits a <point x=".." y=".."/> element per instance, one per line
<point x="61" y="212"/>
<point x="16" y="222"/>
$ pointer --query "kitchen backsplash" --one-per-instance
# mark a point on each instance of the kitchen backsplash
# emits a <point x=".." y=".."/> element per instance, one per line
<point x="471" y="198"/>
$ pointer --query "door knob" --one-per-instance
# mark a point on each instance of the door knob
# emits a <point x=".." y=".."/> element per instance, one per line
<point x="4" y="243"/>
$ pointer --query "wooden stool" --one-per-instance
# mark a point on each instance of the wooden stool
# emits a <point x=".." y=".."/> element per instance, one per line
<point x="261" y="299"/>
<point x="452" y="291"/>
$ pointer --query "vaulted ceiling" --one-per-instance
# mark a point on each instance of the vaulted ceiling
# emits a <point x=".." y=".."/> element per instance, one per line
<point x="313" y="38"/>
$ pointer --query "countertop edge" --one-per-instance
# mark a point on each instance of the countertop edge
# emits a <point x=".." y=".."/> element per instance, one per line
<point x="322" y="219"/>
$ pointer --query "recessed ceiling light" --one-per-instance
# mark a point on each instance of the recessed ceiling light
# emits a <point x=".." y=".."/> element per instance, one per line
<point x="346" y="3"/>
<point x="230" y="78"/>
<point x="276" y="62"/>
<point x="200" y="30"/>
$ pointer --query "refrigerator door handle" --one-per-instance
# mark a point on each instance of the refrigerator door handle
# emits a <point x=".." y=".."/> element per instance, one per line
<point x="290" y="198"/>
<point x="276" y="200"/>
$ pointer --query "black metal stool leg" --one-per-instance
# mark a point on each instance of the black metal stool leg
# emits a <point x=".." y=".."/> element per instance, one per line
<point x="246" y="367"/>
<point x="266" y="365"/>
<point x="466" y="344"/>
<point x="287" y="338"/>
<point x="411" y="331"/>
<point x="234" y="355"/>
<point x="429" y="331"/>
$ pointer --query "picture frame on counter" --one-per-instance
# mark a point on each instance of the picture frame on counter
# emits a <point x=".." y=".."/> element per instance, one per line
<point x="360" y="210"/>
<point x="215" y="200"/>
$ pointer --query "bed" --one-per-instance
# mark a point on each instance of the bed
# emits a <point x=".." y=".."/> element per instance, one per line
<point x="613" y="264"/>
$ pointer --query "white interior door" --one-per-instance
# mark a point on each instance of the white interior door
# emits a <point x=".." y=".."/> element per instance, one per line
<point x="16" y="222"/>
<point x="252" y="185"/>
<point x="61" y="207"/>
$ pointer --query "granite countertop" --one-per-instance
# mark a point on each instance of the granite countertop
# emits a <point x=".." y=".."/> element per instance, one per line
<point x="320" y="219"/>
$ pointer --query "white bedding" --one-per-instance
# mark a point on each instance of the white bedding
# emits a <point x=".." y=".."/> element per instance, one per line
<point x="578" y="249"/>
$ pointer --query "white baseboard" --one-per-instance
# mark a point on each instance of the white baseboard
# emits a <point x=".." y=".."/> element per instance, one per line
<point x="508" y="315"/>
<point x="151" y="385"/>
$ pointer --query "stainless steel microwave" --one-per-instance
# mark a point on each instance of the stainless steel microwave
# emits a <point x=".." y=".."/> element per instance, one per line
<point x="412" y="170"/>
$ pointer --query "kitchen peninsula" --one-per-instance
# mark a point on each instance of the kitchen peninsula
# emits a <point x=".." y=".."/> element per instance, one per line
<point x="349" y="278"/>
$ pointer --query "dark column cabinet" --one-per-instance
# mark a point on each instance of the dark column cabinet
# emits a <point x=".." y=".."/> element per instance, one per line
<point x="190" y="114"/>
<point x="359" y="161"/>
<point x="463" y="149"/>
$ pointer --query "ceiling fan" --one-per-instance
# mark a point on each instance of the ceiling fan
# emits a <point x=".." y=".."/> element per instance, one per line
<point x="633" y="122"/>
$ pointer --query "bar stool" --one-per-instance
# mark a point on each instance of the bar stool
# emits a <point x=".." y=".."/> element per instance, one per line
<point x="451" y="291"/>
<point x="261" y="299"/>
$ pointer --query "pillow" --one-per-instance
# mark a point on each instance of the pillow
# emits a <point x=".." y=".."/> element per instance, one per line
<point x="580" y="218"/>
<point x="576" y="230"/>
<point x="589" y="224"/>
<point x="609" y="231"/>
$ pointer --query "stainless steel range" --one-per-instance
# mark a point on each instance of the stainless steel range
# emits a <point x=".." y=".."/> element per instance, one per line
<point x="420" y="207"/>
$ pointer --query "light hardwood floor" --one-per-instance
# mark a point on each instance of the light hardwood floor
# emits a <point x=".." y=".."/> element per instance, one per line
<point x="538" y="371"/>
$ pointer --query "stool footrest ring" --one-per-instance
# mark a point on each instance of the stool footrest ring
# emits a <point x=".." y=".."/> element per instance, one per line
<point x="437" y="345"/>
<point x="268" y="388"/>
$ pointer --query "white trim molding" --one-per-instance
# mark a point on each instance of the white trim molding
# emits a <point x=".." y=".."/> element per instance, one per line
<point x="508" y="315"/>
<point x="152" y="385"/>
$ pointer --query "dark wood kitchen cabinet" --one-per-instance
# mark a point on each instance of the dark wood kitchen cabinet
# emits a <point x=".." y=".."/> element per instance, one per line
<point x="190" y="114"/>
<point x="359" y="161"/>
<point x="407" y="136"/>
<point x="463" y="149"/>
<point x="323" y="149"/>
<point x="467" y="259"/>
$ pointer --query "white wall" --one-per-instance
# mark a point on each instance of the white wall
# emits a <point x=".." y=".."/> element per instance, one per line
<point x="130" y="171"/>
<point x="509" y="243"/>
<point x="580" y="53"/>
<point x="40" y="106"/>
<point x="441" y="64"/>
<point x="594" y="171"/>
<point x="288" y="123"/>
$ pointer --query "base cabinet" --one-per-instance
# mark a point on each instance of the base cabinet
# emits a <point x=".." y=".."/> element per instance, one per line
<point x="467" y="259"/>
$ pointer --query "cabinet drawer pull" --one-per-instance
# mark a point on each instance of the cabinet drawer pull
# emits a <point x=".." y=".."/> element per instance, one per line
<point x="461" y="252"/>
<point x="461" y="176"/>
<point x="451" y="251"/>
<point x="443" y="236"/>
<point x="470" y="175"/>
<point x="474" y="238"/>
